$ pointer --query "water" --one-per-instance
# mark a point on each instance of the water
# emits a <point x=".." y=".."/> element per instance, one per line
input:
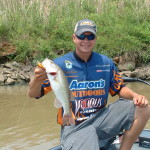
<point x="30" y="124"/>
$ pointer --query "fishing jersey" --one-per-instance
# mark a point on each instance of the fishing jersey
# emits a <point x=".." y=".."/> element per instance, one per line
<point x="90" y="83"/>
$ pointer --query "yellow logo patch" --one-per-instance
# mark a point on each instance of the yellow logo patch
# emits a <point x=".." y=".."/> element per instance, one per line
<point x="86" y="23"/>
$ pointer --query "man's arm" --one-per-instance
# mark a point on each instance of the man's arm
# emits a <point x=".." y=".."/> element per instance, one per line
<point x="139" y="100"/>
<point x="35" y="84"/>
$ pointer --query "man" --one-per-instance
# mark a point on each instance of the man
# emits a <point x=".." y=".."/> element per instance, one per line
<point x="91" y="77"/>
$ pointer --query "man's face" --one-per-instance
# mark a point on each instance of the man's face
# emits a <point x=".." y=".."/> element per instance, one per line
<point x="84" y="46"/>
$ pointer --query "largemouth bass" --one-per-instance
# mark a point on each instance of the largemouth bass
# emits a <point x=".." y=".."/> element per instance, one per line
<point x="59" y="85"/>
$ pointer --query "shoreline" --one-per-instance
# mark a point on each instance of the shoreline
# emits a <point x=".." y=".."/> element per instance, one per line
<point x="13" y="73"/>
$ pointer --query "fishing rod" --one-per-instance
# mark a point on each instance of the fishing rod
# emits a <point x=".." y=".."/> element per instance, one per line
<point x="128" y="79"/>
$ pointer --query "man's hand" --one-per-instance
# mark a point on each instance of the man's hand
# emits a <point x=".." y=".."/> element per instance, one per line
<point x="40" y="73"/>
<point x="140" y="100"/>
<point x="36" y="83"/>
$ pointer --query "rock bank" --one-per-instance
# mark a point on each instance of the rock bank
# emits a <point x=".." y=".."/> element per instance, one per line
<point x="127" y="65"/>
<point x="15" y="73"/>
<point x="12" y="73"/>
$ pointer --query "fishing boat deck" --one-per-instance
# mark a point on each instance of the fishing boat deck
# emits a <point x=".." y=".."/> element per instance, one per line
<point x="135" y="147"/>
<point x="144" y="140"/>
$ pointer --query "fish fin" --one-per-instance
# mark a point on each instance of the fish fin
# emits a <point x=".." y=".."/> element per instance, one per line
<point x="57" y="104"/>
<point x="71" y="121"/>
<point x="67" y="119"/>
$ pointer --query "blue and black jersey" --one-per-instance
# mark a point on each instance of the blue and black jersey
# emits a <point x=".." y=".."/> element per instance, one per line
<point x="90" y="83"/>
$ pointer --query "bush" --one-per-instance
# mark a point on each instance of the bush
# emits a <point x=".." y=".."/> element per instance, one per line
<point x="42" y="29"/>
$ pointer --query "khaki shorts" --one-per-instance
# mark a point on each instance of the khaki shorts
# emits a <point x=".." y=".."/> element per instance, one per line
<point x="103" y="125"/>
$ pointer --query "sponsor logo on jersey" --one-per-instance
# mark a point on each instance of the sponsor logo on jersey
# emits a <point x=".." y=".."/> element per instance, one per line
<point x="88" y="103"/>
<point x="83" y="93"/>
<point x="102" y="66"/>
<point x="68" y="64"/>
<point x="99" y="70"/>
<point x="75" y="85"/>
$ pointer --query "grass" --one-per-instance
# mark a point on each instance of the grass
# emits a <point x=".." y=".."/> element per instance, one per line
<point x="44" y="28"/>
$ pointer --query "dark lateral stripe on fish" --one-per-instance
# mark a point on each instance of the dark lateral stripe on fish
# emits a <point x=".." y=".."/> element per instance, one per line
<point x="71" y="76"/>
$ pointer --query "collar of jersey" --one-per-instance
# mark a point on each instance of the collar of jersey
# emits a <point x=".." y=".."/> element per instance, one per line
<point x="78" y="58"/>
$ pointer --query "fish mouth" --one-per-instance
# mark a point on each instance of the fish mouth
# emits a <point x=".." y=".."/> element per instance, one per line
<point x="52" y="73"/>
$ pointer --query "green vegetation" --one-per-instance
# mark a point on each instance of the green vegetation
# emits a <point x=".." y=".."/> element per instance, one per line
<point x="44" y="28"/>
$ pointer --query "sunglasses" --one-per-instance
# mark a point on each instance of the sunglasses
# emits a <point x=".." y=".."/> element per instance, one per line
<point x="89" y="37"/>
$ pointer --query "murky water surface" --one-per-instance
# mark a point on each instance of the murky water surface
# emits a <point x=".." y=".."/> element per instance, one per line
<point x="30" y="124"/>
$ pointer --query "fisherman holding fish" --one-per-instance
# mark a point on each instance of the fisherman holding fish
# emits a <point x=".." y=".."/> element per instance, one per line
<point x="82" y="81"/>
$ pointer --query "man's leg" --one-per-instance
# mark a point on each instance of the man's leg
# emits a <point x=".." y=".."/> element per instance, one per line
<point x="84" y="139"/>
<point x="141" y="117"/>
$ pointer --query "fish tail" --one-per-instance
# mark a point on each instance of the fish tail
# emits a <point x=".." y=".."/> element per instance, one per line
<point x="72" y="119"/>
<point x="68" y="119"/>
<point x="65" y="119"/>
